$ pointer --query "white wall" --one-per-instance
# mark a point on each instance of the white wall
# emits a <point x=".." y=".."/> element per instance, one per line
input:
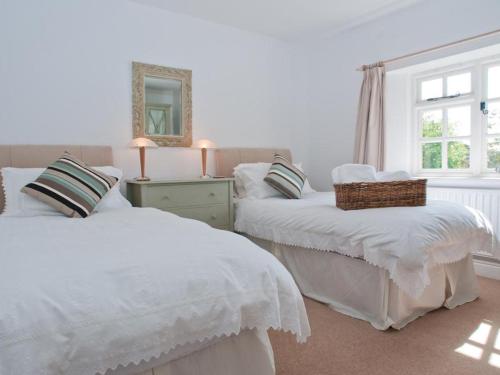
<point x="65" y="77"/>
<point x="334" y="83"/>
<point x="70" y="62"/>
<point x="398" y="134"/>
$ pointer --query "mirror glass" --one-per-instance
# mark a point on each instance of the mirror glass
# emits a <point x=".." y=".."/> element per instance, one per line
<point x="162" y="106"/>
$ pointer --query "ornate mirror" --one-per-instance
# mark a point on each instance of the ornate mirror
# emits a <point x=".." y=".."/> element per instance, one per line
<point x="162" y="104"/>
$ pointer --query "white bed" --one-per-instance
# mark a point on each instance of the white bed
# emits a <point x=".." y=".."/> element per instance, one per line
<point x="358" y="289"/>
<point x="136" y="291"/>
<point x="387" y="266"/>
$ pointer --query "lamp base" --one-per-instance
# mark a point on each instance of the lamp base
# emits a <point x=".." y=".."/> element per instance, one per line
<point x="142" y="178"/>
<point x="205" y="176"/>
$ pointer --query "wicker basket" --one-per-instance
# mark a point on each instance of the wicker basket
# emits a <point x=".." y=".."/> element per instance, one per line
<point x="359" y="195"/>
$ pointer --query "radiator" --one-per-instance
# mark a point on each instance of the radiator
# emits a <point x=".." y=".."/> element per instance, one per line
<point x="485" y="200"/>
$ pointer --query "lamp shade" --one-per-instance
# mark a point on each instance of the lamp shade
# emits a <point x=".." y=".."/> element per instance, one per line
<point x="204" y="143"/>
<point x="142" y="142"/>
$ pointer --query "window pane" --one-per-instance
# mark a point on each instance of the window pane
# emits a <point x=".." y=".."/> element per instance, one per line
<point x="459" y="154"/>
<point x="494" y="82"/>
<point x="458" y="84"/>
<point x="432" y="123"/>
<point x="431" y="155"/>
<point x="493" y="152"/>
<point x="494" y="118"/>
<point x="431" y="89"/>
<point x="459" y="121"/>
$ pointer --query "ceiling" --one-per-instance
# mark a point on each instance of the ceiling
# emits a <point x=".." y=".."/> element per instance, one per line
<point x="284" y="19"/>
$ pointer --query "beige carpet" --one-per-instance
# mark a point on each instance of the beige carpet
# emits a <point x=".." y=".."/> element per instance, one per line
<point x="343" y="345"/>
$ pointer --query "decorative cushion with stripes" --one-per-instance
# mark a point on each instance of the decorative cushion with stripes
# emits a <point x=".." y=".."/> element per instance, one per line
<point x="285" y="177"/>
<point x="70" y="186"/>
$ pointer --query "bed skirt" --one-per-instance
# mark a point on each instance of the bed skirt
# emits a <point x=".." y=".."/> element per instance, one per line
<point x="361" y="290"/>
<point x="247" y="353"/>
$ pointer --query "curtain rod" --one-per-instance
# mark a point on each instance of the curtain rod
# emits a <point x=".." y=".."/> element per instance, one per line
<point x="427" y="50"/>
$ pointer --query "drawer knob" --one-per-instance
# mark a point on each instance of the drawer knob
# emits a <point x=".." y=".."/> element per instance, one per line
<point x="213" y="217"/>
<point x="165" y="197"/>
<point x="212" y="194"/>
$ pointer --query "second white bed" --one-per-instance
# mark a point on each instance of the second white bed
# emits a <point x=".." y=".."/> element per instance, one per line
<point x="386" y="266"/>
<point x="358" y="289"/>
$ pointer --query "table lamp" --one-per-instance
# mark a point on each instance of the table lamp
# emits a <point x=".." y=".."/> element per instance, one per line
<point x="142" y="144"/>
<point x="204" y="145"/>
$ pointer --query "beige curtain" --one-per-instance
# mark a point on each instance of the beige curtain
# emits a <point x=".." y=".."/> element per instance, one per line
<point x="369" y="146"/>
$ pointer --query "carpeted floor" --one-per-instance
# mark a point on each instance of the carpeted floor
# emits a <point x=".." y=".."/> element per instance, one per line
<point x="429" y="345"/>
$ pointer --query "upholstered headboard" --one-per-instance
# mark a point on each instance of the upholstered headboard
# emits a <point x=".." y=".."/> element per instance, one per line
<point x="39" y="156"/>
<point x="228" y="158"/>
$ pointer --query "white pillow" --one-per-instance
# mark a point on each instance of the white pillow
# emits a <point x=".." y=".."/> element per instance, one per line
<point x="249" y="181"/>
<point x="307" y="186"/>
<point x="113" y="199"/>
<point x="20" y="204"/>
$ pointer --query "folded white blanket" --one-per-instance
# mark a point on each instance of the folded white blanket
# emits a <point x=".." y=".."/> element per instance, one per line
<point x="348" y="173"/>
<point x="393" y="176"/>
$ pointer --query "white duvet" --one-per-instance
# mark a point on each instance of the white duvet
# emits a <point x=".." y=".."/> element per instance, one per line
<point x="80" y="296"/>
<point x="406" y="241"/>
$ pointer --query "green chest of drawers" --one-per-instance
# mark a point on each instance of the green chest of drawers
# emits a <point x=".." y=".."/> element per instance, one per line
<point x="207" y="200"/>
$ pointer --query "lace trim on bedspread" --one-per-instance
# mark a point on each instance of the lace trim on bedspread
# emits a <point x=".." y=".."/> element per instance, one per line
<point x="162" y="333"/>
<point x="411" y="281"/>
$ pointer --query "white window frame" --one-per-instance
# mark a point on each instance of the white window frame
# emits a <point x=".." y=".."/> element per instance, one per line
<point x="484" y="123"/>
<point x="478" y="137"/>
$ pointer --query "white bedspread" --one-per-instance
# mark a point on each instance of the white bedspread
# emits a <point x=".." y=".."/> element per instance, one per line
<point x="80" y="296"/>
<point x="406" y="241"/>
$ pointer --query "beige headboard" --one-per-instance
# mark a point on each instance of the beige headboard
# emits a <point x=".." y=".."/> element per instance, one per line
<point x="39" y="156"/>
<point x="228" y="158"/>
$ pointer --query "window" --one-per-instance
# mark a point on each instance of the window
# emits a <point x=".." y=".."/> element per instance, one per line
<point x="457" y="121"/>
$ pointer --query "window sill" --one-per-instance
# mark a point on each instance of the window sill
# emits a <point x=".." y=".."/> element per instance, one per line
<point x="464" y="182"/>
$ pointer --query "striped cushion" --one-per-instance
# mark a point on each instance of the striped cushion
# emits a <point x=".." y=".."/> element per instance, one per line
<point x="285" y="177"/>
<point x="70" y="186"/>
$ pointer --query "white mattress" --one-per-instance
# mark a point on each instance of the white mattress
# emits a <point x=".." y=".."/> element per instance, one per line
<point x="358" y="289"/>
<point x="83" y="296"/>
<point x="406" y="241"/>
